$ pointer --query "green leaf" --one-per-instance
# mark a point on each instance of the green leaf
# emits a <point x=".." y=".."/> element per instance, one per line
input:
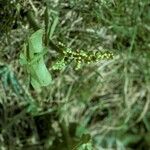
<point x="41" y="73"/>
<point x="35" y="64"/>
<point x="53" y="26"/>
<point x="35" y="42"/>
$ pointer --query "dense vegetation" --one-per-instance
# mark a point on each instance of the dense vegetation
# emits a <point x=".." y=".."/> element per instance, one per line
<point x="96" y="91"/>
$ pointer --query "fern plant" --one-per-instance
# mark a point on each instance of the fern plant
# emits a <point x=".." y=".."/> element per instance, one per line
<point x="34" y="50"/>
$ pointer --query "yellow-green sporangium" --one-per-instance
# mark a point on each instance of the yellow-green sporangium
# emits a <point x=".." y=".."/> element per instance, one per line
<point x="81" y="57"/>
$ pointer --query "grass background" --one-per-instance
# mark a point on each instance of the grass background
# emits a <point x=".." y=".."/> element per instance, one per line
<point x="104" y="105"/>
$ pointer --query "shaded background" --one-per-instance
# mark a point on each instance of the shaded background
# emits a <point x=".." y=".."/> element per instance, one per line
<point x="104" y="105"/>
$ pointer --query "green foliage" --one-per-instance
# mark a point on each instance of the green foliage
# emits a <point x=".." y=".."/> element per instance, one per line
<point x="50" y="24"/>
<point x="81" y="110"/>
<point x="32" y="58"/>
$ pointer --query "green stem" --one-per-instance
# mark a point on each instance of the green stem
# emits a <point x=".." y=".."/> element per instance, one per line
<point x="65" y="133"/>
